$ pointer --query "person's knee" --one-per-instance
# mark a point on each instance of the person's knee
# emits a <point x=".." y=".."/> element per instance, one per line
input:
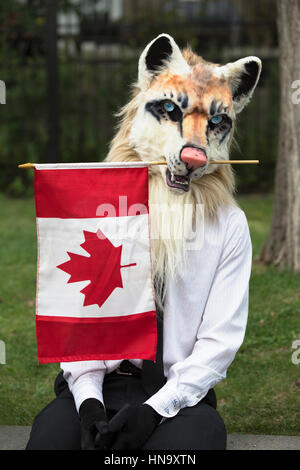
<point x="56" y="427"/>
<point x="194" y="428"/>
<point x="208" y="426"/>
<point x="214" y="435"/>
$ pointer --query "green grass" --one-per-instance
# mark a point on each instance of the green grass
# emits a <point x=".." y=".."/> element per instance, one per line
<point x="260" y="394"/>
<point x="25" y="386"/>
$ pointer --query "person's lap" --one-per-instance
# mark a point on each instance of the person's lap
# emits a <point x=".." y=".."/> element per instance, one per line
<point x="195" y="428"/>
<point x="57" y="426"/>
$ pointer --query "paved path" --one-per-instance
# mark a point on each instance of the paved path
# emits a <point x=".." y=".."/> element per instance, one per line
<point x="16" y="437"/>
<point x="259" y="442"/>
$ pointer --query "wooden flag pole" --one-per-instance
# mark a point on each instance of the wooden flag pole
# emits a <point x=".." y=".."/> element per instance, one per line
<point x="26" y="165"/>
<point x="163" y="162"/>
<point x="213" y="162"/>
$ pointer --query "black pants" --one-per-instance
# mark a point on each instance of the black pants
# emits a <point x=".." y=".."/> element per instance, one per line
<point x="199" y="427"/>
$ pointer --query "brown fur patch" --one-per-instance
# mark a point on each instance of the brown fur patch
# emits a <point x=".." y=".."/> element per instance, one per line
<point x="201" y="86"/>
<point x="194" y="127"/>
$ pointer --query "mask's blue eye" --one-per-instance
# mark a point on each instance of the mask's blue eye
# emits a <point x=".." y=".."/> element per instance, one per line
<point x="216" y="119"/>
<point x="169" y="106"/>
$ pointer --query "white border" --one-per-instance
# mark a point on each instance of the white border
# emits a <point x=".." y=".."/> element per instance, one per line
<point x="92" y="165"/>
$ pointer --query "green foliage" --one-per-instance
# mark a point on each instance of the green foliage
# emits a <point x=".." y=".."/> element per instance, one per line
<point x="92" y="88"/>
<point x="257" y="132"/>
<point x="89" y="98"/>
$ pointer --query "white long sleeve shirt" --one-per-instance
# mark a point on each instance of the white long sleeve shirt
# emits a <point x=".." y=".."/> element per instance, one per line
<point x="205" y="317"/>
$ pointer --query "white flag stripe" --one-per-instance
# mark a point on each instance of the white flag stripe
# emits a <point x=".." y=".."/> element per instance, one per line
<point x="89" y="165"/>
<point x="55" y="297"/>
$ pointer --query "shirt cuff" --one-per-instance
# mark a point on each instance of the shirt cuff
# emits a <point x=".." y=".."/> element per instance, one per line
<point x="169" y="400"/>
<point x="87" y="386"/>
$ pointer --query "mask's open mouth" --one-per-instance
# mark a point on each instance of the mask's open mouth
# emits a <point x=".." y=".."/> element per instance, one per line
<point x="178" y="181"/>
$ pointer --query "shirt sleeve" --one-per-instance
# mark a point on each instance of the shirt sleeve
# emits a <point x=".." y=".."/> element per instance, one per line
<point x="222" y="329"/>
<point x="85" y="379"/>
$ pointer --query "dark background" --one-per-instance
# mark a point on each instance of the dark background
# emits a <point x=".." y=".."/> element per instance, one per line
<point x="68" y="66"/>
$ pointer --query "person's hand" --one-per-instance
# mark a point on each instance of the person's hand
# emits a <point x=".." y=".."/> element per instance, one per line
<point x="132" y="426"/>
<point x="93" y="422"/>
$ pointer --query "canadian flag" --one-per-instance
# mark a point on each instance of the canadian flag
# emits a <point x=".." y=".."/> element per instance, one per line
<point x="95" y="297"/>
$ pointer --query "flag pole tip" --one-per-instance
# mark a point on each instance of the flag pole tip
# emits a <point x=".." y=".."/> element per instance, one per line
<point x="26" y="165"/>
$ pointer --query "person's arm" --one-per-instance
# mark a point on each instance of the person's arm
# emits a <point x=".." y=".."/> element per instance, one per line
<point x="85" y="379"/>
<point x="221" y="332"/>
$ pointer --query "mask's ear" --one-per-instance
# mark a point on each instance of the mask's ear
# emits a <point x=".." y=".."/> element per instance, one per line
<point x="161" y="53"/>
<point x="242" y="77"/>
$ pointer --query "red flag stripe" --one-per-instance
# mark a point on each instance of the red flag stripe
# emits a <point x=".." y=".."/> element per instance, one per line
<point x="62" y="339"/>
<point x="90" y="193"/>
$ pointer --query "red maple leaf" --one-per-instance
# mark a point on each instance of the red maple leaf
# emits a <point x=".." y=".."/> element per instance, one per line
<point x="102" y="268"/>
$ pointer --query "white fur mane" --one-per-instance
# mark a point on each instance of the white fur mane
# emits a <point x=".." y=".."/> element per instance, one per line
<point x="212" y="191"/>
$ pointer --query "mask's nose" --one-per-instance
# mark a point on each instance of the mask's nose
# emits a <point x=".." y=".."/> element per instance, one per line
<point x="193" y="157"/>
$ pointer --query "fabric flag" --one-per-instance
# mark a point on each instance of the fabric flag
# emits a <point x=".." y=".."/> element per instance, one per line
<point x="95" y="298"/>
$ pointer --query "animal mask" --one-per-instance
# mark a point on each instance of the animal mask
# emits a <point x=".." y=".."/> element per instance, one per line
<point x="187" y="108"/>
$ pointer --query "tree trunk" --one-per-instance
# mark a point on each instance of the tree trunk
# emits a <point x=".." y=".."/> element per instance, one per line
<point x="282" y="247"/>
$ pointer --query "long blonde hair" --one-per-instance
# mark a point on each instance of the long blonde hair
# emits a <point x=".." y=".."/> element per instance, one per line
<point x="212" y="191"/>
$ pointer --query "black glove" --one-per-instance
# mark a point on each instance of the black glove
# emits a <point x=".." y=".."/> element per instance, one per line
<point x="93" y="421"/>
<point x="132" y="426"/>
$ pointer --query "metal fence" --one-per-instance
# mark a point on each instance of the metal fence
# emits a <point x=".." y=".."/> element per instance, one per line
<point x="68" y="67"/>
